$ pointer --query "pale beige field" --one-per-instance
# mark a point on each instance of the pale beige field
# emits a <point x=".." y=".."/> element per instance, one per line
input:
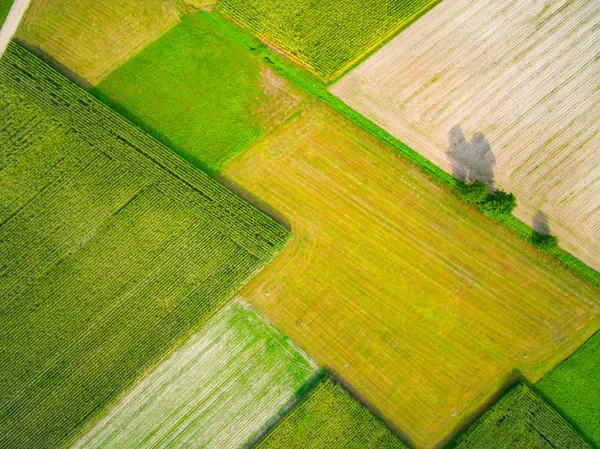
<point x="521" y="75"/>
<point x="410" y="296"/>
<point x="92" y="38"/>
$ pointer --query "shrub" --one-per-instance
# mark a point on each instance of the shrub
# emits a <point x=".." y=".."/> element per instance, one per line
<point x="472" y="192"/>
<point x="547" y="243"/>
<point x="499" y="204"/>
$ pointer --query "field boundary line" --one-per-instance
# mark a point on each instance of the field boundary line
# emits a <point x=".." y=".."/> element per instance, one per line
<point x="16" y="13"/>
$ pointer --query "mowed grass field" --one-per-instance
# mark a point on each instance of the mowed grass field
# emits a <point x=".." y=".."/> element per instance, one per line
<point x="325" y="37"/>
<point x="517" y="79"/>
<point x="520" y="420"/>
<point x="201" y="91"/>
<point x="328" y="417"/>
<point x="573" y="387"/>
<point x="89" y="39"/>
<point x="112" y="250"/>
<point x="218" y="390"/>
<point x="406" y="293"/>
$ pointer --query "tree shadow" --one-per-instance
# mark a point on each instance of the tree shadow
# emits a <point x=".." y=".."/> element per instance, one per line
<point x="471" y="161"/>
<point x="540" y="223"/>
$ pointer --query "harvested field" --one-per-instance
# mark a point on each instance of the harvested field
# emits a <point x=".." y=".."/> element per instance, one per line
<point x="89" y="39"/>
<point x="217" y="391"/>
<point x="573" y="387"/>
<point x="201" y="91"/>
<point x="520" y="420"/>
<point x="328" y="417"/>
<point x="504" y="90"/>
<point x="325" y="37"/>
<point x="411" y="296"/>
<point x="112" y="250"/>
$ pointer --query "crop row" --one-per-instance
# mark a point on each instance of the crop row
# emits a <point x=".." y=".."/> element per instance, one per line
<point x="519" y="419"/>
<point x="251" y="228"/>
<point x="112" y="251"/>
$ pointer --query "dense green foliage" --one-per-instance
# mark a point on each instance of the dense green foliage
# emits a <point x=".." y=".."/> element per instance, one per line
<point x="547" y="243"/>
<point x="519" y="420"/>
<point x="194" y="89"/>
<point x="472" y="192"/>
<point x="499" y="205"/>
<point x="328" y="36"/>
<point x="329" y="418"/>
<point x="4" y="9"/>
<point x="112" y="250"/>
<point x="218" y="390"/>
<point x="573" y="387"/>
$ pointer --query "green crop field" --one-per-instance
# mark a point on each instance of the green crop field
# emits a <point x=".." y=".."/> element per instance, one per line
<point x="330" y="418"/>
<point x="218" y="390"/>
<point x="201" y="92"/>
<point x="325" y="37"/>
<point x="519" y="420"/>
<point x="573" y="387"/>
<point x="4" y="9"/>
<point x="112" y="250"/>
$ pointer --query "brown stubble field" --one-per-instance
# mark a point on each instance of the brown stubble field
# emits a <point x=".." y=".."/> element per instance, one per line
<point x="89" y="38"/>
<point x="521" y="76"/>
<point x="413" y="298"/>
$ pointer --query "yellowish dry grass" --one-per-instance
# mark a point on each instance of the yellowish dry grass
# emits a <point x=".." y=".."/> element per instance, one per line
<point x="91" y="38"/>
<point x="410" y="296"/>
<point x="522" y="73"/>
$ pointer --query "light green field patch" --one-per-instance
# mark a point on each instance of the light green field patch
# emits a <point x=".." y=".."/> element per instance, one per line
<point x="202" y="92"/>
<point x="218" y="390"/>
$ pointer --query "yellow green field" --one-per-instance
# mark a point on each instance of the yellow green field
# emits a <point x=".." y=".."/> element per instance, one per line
<point x="406" y="293"/>
<point x="89" y="39"/>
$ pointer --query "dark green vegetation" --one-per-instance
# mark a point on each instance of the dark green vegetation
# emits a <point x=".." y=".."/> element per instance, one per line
<point x="112" y="250"/>
<point x="4" y="9"/>
<point x="200" y="92"/>
<point x="329" y="418"/>
<point x="498" y="204"/>
<point x="520" y="419"/>
<point x="573" y="387"/>
<point x="326" y="37"/>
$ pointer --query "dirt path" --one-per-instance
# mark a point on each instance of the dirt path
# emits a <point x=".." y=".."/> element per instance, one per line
<point x="12" y="22"/>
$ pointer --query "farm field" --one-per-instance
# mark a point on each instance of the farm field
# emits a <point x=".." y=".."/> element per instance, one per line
<point x="405" y="292"/>
<point x="4" y="9"/>
<point x="218" y="390"/>
<point x="573" y="387"/>
<point x="87" y="39"/>
<point x="520" y="420"/>
<point x="325" y="37"/>
<point x="328" y="417"/>
<point x="505" y="91"/>
<point x="202" y="92"/>
<point x="112" y="251"/>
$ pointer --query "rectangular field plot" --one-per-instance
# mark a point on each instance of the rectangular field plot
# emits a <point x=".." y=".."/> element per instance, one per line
<point x="202" y="91"/>
<point x="326" y="37"/>
<point x="329" y="418"/>
<point x="411" y="296"/>
<point x="505" y="91"/>
<point x="217" y="391"/>
<point x="573" y="387"/>
<point x="112" y="250"/>
<point x="90" y="39"/>
<point x="520" y="420"/>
